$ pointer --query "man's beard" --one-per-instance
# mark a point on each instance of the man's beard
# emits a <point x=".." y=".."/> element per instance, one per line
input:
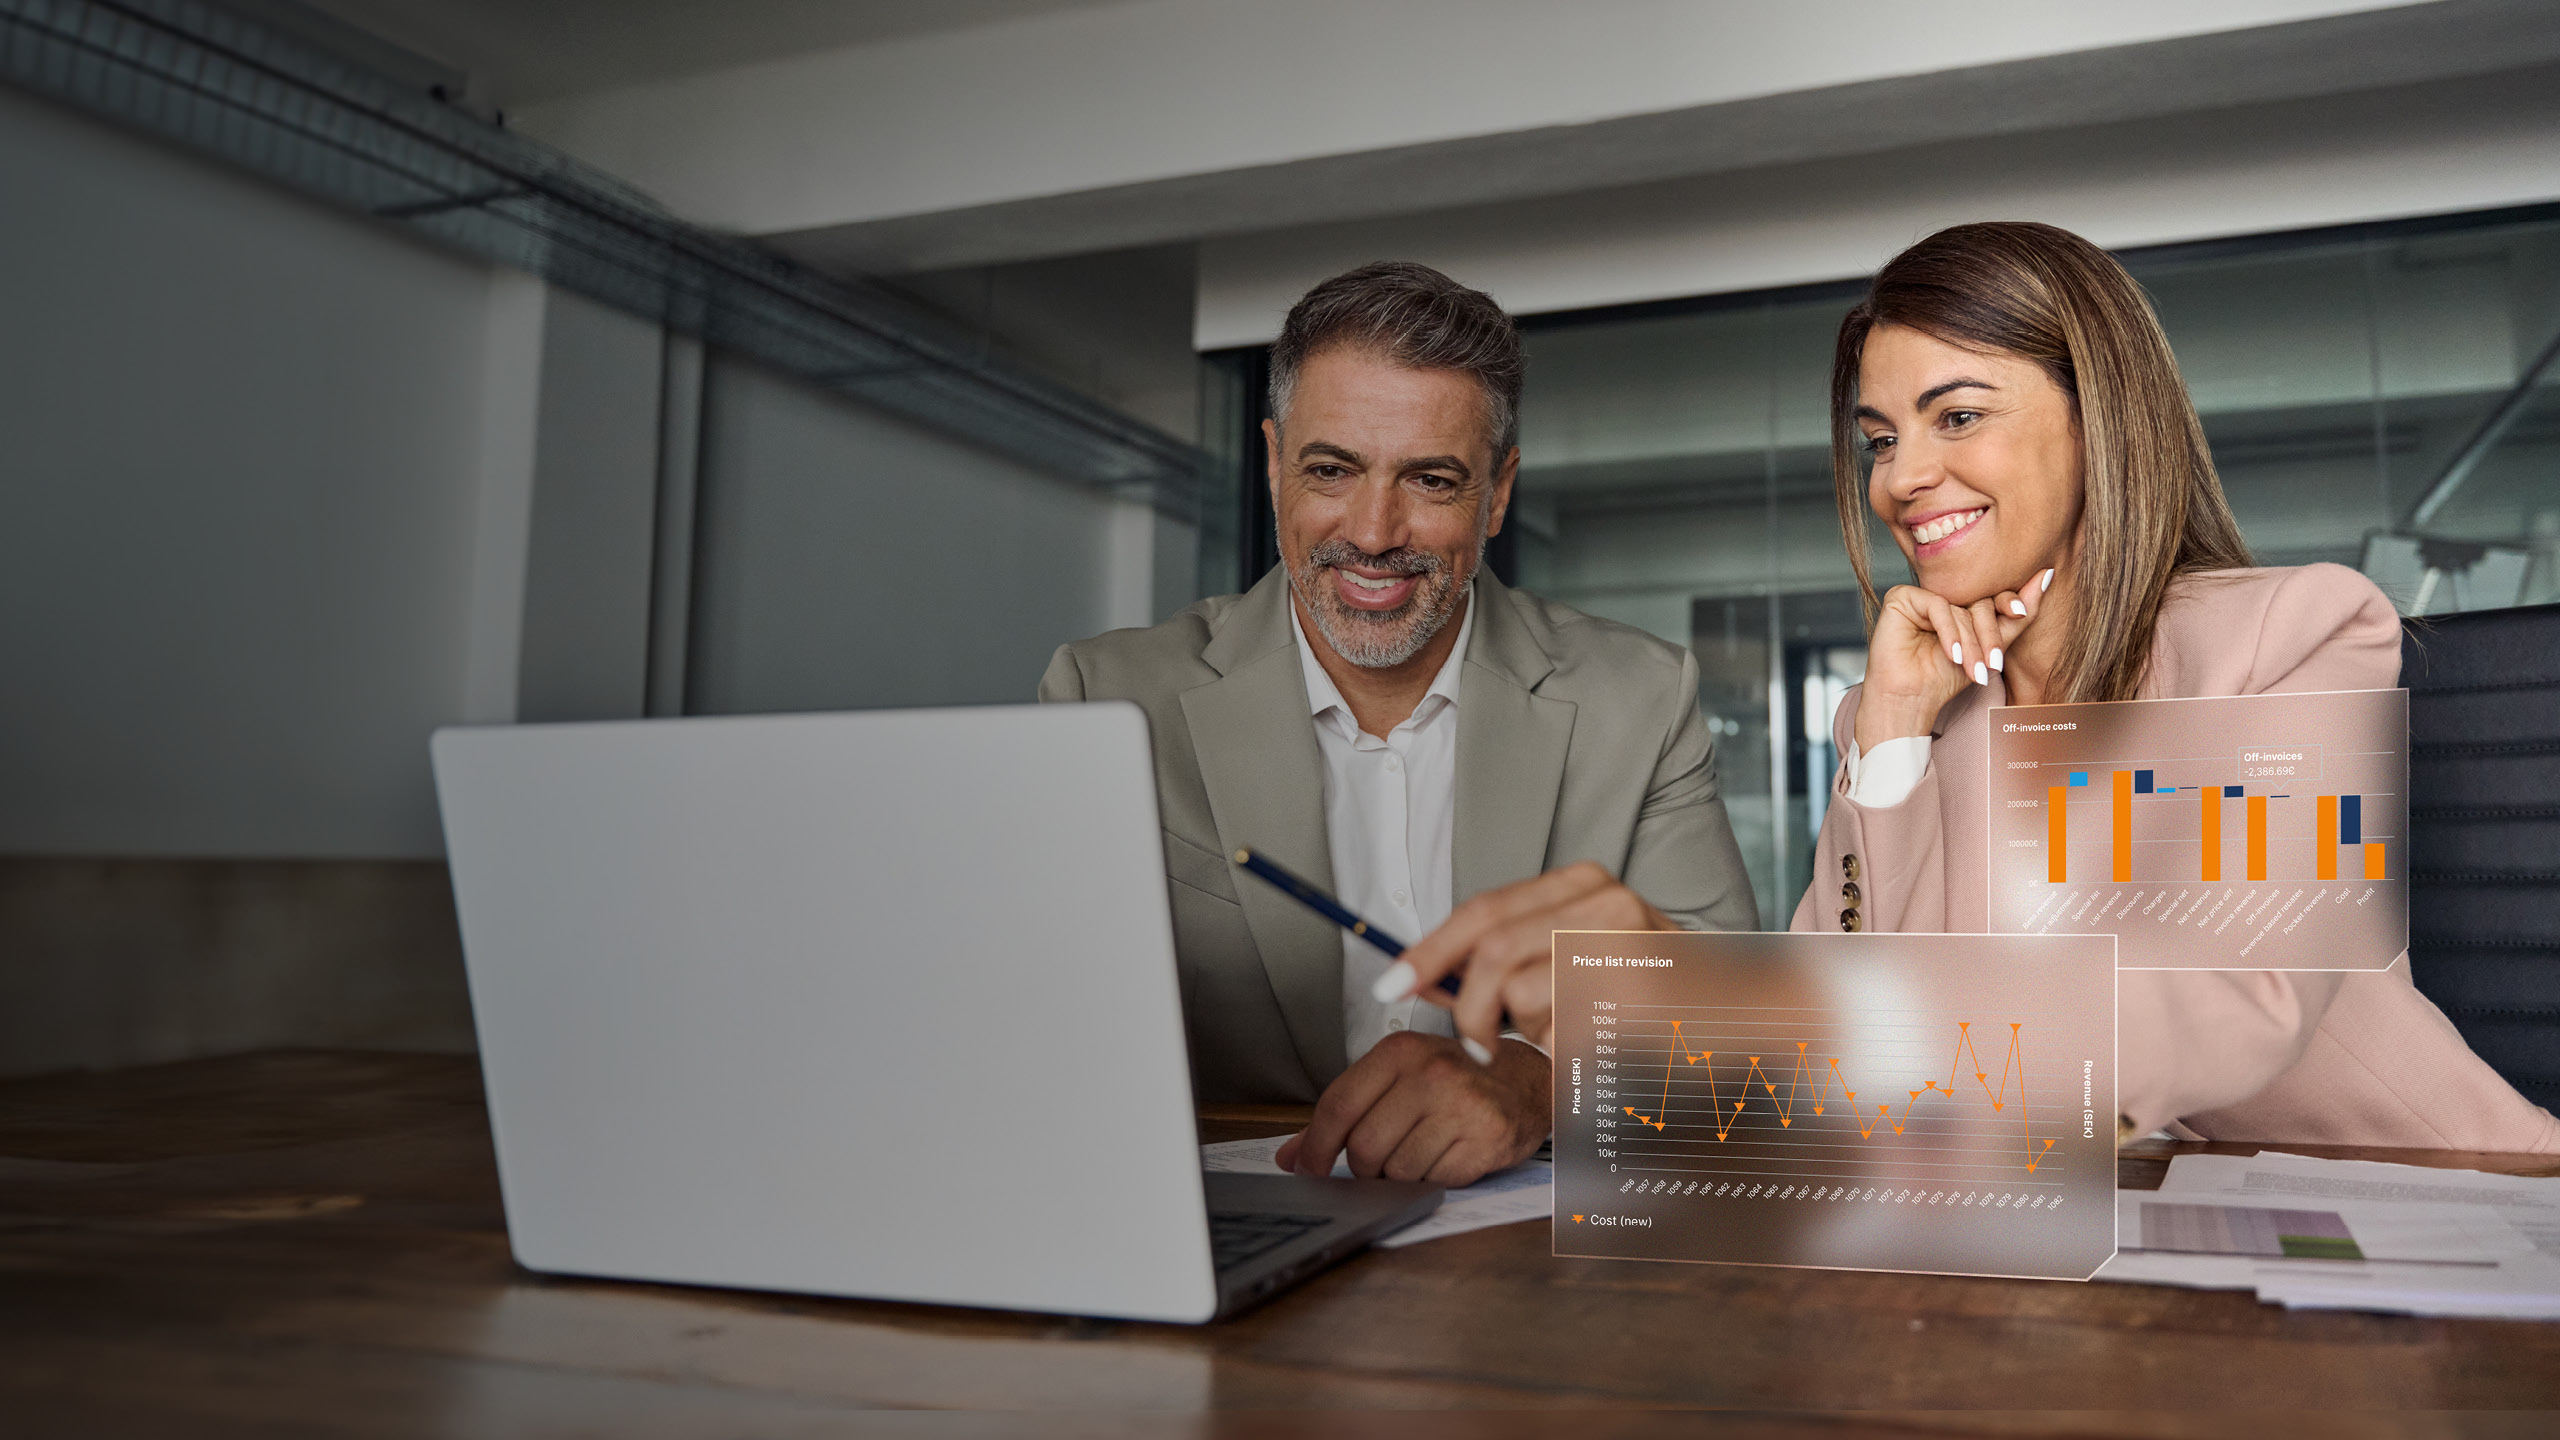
<point x="1377" y="639"/>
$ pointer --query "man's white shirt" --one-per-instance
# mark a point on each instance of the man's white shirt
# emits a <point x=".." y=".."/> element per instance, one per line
<point x="1390" y="811"/>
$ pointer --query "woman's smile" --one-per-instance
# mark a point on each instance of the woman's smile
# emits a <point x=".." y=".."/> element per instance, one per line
<point x="1934" y="534"/>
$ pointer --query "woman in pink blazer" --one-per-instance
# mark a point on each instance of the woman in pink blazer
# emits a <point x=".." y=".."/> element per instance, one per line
<point x="2005" y="402"/>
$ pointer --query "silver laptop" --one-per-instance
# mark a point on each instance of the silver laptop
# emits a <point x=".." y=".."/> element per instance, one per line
<point x="874" y="1005"/>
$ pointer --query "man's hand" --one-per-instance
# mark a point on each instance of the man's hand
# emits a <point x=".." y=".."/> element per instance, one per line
<point x="1416" y="1108"/>
<point x="1502" y="944"/>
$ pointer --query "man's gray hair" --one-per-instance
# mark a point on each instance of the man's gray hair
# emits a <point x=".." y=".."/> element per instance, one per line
<point x="1415" y="317"/>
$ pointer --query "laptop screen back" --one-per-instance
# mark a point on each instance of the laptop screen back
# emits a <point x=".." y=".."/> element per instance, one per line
<point x="875" y="1004"/>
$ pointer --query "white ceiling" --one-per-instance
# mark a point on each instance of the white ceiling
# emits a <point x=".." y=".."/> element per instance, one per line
<point x="1156" y="122"/>
<point x="523" y="50"/>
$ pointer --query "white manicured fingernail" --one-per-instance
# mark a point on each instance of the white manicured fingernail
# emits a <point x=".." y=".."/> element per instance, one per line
<point x="1995" y="659"/>
<point x="1980" y="675"/>
<point x="1958" y="652"/>
<point x="2017" y="607"/>
<point x="1395" y="984"/>
<point x="1475" y="1050"/>
<point x="2045" y="582"/>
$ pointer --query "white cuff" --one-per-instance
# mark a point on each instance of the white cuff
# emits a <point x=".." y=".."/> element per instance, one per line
<point x="1532" y="1044"/>
<point x="1886" y="777"/>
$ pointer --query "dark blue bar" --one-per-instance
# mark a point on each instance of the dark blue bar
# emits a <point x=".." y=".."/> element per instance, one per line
<point x="2230" y="792"/>
<point x="2141" y="782"/>
<point x="2350" y="819"/>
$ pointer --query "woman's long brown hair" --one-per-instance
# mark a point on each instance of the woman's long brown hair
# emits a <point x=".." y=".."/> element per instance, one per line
<point x="2153" y="508"/>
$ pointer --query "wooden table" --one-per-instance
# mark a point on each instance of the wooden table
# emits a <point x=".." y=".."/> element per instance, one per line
<point x="312" y="1243"/>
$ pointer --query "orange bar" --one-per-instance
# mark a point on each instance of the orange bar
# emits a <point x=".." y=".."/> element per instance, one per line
<point x="2324" y="843"/>
<point x="2212" y="832"/>
<point x="2057" y="831"/>
<point x="2373" y="859"/>
<point x="2257" y="837"/>
<point x="2124" y="825"/>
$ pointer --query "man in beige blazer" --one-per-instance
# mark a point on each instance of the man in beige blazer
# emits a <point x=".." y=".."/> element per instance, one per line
<point x="1332" y="718"/>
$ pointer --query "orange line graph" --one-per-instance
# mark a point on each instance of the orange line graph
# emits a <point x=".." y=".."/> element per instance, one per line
<point x="1817" y="1096"/>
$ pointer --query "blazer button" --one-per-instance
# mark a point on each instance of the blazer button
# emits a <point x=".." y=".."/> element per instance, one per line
<point x="1850" y="922"/>
<point x="1849" y="892"/>
<point x="1848" y="867"/>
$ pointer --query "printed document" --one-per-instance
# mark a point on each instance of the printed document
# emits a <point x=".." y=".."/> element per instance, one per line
<point x="1526" y="1191"/>
<point x="2348" y="1234"/>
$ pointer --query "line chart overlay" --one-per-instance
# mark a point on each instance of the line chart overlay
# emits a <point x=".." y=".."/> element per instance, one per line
<point x="1896" y="1102"/>
<point x="1811" y="1091"/>
<point x="2241" y="832"/>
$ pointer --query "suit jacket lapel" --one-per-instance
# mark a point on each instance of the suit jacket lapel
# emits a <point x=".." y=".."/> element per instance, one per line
<point x="1265" y="782"/>
<point x="1512" y="743"/>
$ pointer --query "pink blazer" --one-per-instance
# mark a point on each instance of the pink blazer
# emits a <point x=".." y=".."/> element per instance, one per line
<point x="2267" y="1055"/>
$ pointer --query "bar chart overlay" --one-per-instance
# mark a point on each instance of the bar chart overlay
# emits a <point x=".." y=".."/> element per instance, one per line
<point x="1932" y="1103"/>
<point x="2258" y="831"/>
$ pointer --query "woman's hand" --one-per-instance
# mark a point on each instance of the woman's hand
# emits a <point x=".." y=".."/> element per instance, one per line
<point x="1504" y="943"/>
<point x="1925" y="651"/>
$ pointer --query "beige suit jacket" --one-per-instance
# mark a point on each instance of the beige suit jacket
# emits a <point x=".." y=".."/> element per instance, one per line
<point x="2269" y="1055"/>
<point x="1578" y="739"/>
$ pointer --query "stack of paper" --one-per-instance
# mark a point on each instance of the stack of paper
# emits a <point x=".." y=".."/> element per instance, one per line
<point x="2347" y="1234"/>
<point x="1526" y="1191"/>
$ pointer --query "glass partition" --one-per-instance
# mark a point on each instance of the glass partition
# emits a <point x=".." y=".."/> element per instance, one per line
<point x="2383" y="401"/>
<point x="1675" y="474"/>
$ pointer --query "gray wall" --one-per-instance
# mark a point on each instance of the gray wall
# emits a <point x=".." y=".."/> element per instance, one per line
<point x="849" y="560"/>
<point x="123" y="962"/>
<point x="593" y="532"/>
<point x="284" y="490"/>
<point x="237" y="499"/>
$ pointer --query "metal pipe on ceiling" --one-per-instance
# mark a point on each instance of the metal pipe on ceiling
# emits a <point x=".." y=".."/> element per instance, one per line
<point x="282" y="107"/>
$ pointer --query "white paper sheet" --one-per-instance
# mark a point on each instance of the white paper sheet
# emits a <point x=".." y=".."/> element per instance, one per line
<point x="2530" y="1203"/>
<point x="2434" y="1242"/>
<point x="1524" y="1192"/>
